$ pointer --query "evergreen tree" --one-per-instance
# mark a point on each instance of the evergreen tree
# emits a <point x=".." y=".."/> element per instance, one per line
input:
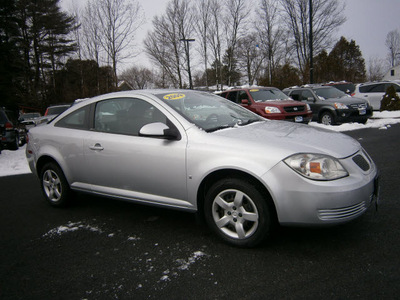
<point x="44" y="43"/>
<point x="346" y="62"/>
<point x="10" y="63"/>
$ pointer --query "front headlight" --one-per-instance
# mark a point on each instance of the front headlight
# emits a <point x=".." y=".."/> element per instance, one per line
<point x="272" y="110"/>
<point x="308" y="107"/>
<point x="340" y="106"/>
<point x="316" y="166"/>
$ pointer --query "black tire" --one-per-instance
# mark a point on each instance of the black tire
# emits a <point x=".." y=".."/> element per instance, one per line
<point x="327" y="118"/>
<point x="237" y="212"/>
<point x="54" y="186"/>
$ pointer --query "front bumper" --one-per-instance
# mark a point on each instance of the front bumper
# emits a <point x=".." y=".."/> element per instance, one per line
<point x="353" y="115"/>
<point x="299" y="118"/>
<point x="299" y="200"/>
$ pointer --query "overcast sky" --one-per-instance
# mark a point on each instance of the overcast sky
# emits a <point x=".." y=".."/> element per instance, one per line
<point x="368" y="23"/>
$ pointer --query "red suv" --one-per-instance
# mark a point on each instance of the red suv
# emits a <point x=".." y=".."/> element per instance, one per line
<point x="270" y="103"/>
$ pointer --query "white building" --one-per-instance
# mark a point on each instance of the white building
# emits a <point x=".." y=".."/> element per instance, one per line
<point x="393" y="74"/>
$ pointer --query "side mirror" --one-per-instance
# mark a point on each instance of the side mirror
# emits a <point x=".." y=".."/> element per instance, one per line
<point x="245" y="101"/>
<point x="160" y="130"/>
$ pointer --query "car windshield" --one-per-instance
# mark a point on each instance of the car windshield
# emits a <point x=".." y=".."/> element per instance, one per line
<point x="329" y="92"/>
<point x="262" y="95"/>
<point x="207" y="111"/>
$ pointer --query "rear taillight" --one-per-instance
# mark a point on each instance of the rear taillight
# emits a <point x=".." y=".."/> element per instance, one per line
<point x="9" y="126"/>
<point x="353" y="94"/>
<point x="47" y="111"/>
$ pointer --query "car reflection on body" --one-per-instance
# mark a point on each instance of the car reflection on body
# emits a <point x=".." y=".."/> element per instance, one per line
<point x="198" y="152"/>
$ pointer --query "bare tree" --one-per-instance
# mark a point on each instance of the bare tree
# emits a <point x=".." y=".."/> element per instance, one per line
<point x="163" y="44"/>
<point x="91" y="43"/>
<point x="214" y="38"/>
<point x="138" y="77"/>
<point x="327" y="17"/>
<point x="237" y="12"/>
<point x="375" y="69"/>
<point x="119" y="20"/>
<point x="203" y="22"/>
<point x="270" y="34"/>
<point x="184" y="18"/>
<point x="250" y="56"/>
<point x="393" y="44"/>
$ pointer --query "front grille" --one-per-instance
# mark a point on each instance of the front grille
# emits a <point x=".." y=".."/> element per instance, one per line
<point x="361" y="162"/>
<point x="293" y="109"/>
<point x="342" y="213"/>
<point x="359" y="106"/>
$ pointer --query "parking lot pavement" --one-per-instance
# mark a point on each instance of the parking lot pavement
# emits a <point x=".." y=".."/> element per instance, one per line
<point x="105" y="249"/>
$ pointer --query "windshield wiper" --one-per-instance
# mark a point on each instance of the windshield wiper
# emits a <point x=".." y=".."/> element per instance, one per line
<point x="219" y="128"/>
<point x="249" y="121"/>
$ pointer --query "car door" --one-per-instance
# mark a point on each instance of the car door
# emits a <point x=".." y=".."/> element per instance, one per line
<point x="308" y="97"/>
<point x="123" y="164"/>
<point x="376" y="94"/>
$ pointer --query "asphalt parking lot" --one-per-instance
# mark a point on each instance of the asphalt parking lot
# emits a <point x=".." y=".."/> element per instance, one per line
<point x="105" y="249"/>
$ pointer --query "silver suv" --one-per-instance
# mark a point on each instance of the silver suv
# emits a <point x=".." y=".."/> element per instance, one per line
<point x="374" y="91"/>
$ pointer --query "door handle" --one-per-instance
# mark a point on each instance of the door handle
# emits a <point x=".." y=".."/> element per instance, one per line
<point x="96" y="147"/>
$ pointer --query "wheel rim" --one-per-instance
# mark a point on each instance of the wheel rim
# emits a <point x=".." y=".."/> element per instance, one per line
<point x="52" y="185"/>
<point x="326" y="120"/>
<point x="235" y="214"/>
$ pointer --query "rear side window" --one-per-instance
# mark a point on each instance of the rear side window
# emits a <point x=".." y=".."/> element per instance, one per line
<point x="379" y="88"/>
<point x="372" y="88"/>
<point x="78" y="119"/>
<point x="397" y="88"/>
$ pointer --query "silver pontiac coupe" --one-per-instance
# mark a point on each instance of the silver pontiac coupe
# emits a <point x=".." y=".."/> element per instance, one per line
<point x="198" y="152"/>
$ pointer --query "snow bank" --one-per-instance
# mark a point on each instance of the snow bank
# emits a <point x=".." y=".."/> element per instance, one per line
<point x="13" y="162"/>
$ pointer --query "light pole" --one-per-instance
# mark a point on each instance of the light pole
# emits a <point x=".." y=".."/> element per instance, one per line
<point x="311" y="45"/>
<point x="187" y="41"/>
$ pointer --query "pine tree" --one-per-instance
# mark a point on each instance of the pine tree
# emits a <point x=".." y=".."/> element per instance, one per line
<point x="10" y="63"/>
<point x="43" y="42"/>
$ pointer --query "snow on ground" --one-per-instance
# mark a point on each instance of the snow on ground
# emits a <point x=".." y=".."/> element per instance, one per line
<point x="14" y="162"/>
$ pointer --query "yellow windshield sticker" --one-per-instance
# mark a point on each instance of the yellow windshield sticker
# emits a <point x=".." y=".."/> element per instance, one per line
<point x="254" y="90"/>
<point x="174" y="96"/>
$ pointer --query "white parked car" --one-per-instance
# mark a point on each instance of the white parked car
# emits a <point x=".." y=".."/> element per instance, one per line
<point x="201" y="153"/>
<point x="374" y="91"/>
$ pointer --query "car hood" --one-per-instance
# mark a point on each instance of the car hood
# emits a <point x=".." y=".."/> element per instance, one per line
<point x="285" y="138"/>
<point x="346" y="100"/>
<point x="280" y="102"/>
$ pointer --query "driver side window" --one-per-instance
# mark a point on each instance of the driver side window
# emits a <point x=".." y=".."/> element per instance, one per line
<point x="305" y="95"/>
<point x="126" y="116"/>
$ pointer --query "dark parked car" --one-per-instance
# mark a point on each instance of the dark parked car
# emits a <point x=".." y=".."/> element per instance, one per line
<point x="9" y="129"/>
<point x="331" y="106"/>
<point x="270" y="103"/>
